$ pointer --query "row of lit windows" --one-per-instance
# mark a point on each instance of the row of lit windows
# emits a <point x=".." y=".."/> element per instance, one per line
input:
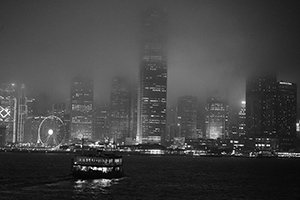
<point x="152" y="58"/>
<point x="164" y="75"/>
<point x="146" y="99"/>
<point x="81" y="121"/>
<point x="100" y="160"/>
<point x="262" y="145"/>
<point x="82" y="107"/>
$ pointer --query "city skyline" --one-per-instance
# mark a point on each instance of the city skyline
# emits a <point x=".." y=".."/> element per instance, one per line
<point x="212" y="44"/>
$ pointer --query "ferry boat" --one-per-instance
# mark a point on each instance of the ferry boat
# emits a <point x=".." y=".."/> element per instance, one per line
<point x="95" y="166"/>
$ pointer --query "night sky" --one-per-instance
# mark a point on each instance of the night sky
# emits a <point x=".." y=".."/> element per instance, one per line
<point x="213" y="44"/>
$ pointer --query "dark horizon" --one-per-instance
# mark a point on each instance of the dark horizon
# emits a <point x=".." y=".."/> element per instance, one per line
<point x="212" y="45"/>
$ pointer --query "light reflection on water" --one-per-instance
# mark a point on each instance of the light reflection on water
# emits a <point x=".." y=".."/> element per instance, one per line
<point x="94" y="186"/>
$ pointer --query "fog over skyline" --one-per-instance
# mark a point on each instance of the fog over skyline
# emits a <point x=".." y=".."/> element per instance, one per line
<point x="212" y="44"/>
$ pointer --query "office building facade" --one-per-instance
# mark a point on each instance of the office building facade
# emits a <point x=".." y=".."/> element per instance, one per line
<point x="101" y="123"/>
<point x="261" y="105"/>
<point x="187" y="116"/>
<point x="286" y="115"/>
<point x="120" y="110"/>
<point x="216" y="120"/>
<point x="271" y="112"/>
<point x="152" y="94"/>
<point x="81" y="111"/>
<point x="242" y="120"/>
<point x="9" y="111"/>
<point x="22" y="113"/>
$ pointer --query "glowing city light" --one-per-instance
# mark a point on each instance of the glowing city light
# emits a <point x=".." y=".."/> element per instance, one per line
<point x="50" y="132"/>
<point x="4" y="112"/>
<point x="285" y="83"/>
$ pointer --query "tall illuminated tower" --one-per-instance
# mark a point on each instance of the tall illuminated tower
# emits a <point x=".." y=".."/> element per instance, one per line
<point x="152" y="94"/>
<point x="242" y="120"/>
<point x="9" y="110"/>
<point x="22" y="113"/>
<point x="120" y="110"/>
<point x="82" y="108"/>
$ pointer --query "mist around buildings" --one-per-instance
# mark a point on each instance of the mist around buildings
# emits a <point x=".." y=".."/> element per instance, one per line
<point x="156" y="106"/>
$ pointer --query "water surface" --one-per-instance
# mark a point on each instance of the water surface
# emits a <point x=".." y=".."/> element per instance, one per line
<point x="47" y="176"/>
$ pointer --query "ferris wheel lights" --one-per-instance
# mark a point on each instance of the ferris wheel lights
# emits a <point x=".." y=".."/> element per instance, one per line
<point x="50" y="131"/>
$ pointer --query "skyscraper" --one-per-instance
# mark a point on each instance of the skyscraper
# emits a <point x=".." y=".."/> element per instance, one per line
<point x="286" y="114"/>
<point x="133" y="115"/>
<point x="233" y="123"/>
<point x="172" y="124"/>
<point x="120" y="110"/>
<point x="101" y="123"/>
<point x="261" y="106"/>
<point x="8" y="111"/>
<point x="187" y="116"/>
<point x="82" y="108"/>
<point x="22" y="113"/>
<point x="242" y="120"/>
<point x="271" y="112"/>
<point x="152" y="94"/>
<point x="261" y="102"/>
<point x="216" y="118"/>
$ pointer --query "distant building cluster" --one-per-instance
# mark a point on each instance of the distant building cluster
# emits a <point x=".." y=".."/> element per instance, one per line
<point x="138" y="114"/>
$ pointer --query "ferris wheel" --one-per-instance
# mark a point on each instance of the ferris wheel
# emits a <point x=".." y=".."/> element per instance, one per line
<point x="51" y="131"/>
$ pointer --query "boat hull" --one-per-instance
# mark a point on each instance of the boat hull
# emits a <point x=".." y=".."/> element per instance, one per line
<point x="96" y="167"/>
<point x="97" y="175"/>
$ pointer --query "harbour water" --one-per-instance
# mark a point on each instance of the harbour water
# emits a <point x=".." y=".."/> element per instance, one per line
<point x="47" y="176"/>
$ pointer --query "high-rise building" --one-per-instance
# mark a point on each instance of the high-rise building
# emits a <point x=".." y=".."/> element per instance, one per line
<point x="242" y="120"/>
<point x="172" y="124"/>
<point x="101" y="123"/>
<point x="81" y="111"/>
<point x="271" y="112"/>
<point x="22" y="113"/>
<point x="261" y="106"/>
<point x="187" y="116"/>
<point x="9" y="111"/>
<point x="30" y="106"/>
<point x="286" y="114"/>
<point x="233" y="123"/>
<point x="152" y="94"/>
<point x="133" y="116"/>
<point x="201" y="115"/>
<point x="120" y="110"/>
<point x="216" y="118"/>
